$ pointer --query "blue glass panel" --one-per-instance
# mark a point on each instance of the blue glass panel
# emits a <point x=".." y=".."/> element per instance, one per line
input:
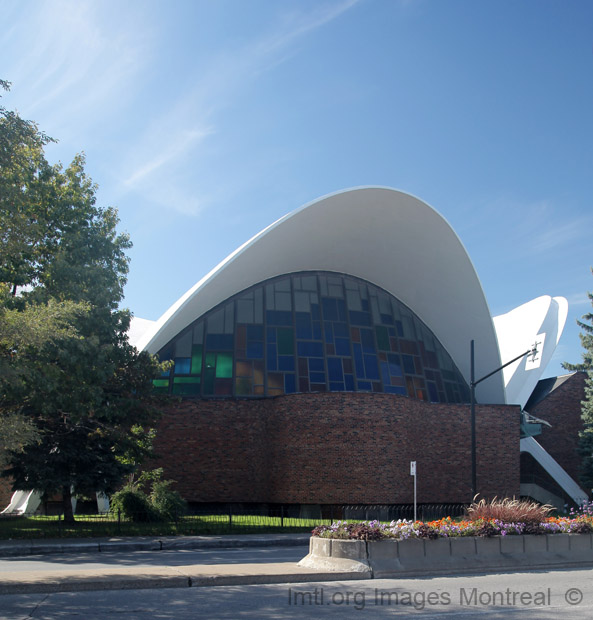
<point x="182" y="365"/>
<point x="317" y="377"/>
<point x="279" y="317"/>
<point x="365" y="305"/>
<point x="395" y="370"/>
<point x="255" y="332"/>
<point x="310" y="349"/>
<point x="316" y="364"/>
<point x="370" y="365"/>
<point x="386" y="319"/>
<point x="303" y="325"/>
<point x="329" y="332"/>
<point x="385" y="373"/>
<point x="220" y="342"/>
<point x="342" y="346"/>
<point x="391" y="331"/>
<point x="360" y="318"/>
<point x="289" y="383"/>
<point x="271" y="334"/>
<point x="255" y="350"/>
<point x="400" y="329"/>
<point x="317" y="330"/>
<point x="341" y="330"/>
<point x="271" y="356"/>
<point x="349" y="381"/>
<point x="394" y="389"/>
<point x="315" y="312"/>
<point x="334" y="369"/>
<point x="368" y="342"/>
<point x="358" y="361"/>
<point x="342" y="316"/>
<point x="330" y="309"/>
<point x="336" y="387"/>
<point x="409" y="364"/>
<point x="285" y="362"/>
<point x="365" y="385"/>
<point x="433" y="393"/>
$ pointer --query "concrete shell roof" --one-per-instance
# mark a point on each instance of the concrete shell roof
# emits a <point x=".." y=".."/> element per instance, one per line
<point x="382" y="235"/>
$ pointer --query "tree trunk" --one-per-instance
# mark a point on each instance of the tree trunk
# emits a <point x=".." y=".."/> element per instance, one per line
<point x="67" y="504"/>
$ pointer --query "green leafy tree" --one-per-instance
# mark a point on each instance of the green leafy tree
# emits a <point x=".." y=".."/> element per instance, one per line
<point x="77" y="382"/>
<point x="586" y="435"/>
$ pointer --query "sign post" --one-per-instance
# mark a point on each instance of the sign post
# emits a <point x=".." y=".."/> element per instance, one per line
<point x="413" y="473"/>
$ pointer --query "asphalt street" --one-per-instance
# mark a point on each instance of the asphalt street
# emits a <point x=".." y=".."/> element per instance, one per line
<point x="541" y="595"/>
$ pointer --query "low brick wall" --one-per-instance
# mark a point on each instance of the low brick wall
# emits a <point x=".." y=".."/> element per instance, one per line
<point x="391" y="558"/>
<point x="336" y="448"/>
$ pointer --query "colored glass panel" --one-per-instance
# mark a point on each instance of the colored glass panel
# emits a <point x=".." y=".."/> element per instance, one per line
<point x="182" y="365"/>
<point x="285" y="341"/>
<point x="224" y="366"/>
<point x="196" y="359"/>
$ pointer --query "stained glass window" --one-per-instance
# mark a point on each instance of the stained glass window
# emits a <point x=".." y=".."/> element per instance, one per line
<point x="310" y="332"/>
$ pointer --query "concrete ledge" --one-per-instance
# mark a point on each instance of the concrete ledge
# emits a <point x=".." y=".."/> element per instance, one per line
<point x="391" y="558"/>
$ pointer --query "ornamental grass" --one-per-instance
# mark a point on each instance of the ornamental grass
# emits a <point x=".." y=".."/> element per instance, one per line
<point x="509" y="511"/>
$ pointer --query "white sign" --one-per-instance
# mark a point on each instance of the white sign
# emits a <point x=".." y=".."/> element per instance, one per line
<point x="412" y="468"/>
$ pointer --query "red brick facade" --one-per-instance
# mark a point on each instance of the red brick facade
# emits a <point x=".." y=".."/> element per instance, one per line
<point x="336" y="448"/>
<point x="562" y="409"/>
<point x="5" y="492"/>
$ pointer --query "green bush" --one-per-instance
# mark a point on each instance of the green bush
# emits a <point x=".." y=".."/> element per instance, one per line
<point x="132" y="504"/>
<point x="166" y="501"/>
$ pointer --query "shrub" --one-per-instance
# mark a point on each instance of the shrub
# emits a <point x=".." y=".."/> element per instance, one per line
<point x="167" y="502"/>
<point x="131" y="503"/>
<point x="509" y="511"/>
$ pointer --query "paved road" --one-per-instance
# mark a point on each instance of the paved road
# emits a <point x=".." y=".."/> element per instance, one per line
<point x="536" y="595"/>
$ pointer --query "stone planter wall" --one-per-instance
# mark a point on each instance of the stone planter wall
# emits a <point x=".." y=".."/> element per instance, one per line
<point x="390" y="558"/>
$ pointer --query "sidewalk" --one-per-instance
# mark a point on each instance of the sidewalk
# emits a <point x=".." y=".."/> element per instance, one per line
<point x="60" y="579"/>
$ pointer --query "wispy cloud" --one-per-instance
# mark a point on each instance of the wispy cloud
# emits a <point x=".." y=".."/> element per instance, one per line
<point x="167" y="144"/>
<point x="69" y="62"/>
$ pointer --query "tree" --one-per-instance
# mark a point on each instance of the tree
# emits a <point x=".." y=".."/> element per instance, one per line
<point x="586" y="435"/>
<point x="72" y="374"/>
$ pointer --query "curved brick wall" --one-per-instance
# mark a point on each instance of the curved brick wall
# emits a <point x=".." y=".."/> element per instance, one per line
<point x="335" y="448"/>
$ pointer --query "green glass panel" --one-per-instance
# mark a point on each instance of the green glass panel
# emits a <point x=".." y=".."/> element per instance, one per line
<point x="285" y="341"/>
<point x="224" y="366"/>
<point x="210" y="361"/>
<point x="160" y="386"/>
<point x="186" y="385"/>
<point x="196" y="359"/>
<point x="382" y="338"/>
<point x="209" y="381"/>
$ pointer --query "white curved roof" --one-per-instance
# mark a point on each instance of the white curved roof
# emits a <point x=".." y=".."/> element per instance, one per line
<point x="540" y="322"/>
<point x="382" y="235"/>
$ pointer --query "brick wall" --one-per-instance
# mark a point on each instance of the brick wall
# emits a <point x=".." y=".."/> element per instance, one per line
<point x="5" y="492"/>
<point x="562" y="409"/>
<point x="335" y="448"/>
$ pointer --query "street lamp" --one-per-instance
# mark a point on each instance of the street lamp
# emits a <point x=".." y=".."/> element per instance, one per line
<point x="473" y="383"/>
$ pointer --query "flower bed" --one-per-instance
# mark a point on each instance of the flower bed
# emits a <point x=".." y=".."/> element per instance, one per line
<point x="372" y="549"/>
<point x="444" y="528"/>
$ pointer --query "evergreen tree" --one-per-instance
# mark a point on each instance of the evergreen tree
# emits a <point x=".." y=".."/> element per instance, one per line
<point x="75" y="380"/>
<point x="586" y="435"/>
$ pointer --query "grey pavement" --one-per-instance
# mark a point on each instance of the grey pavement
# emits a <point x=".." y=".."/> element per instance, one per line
<point x="63" y="576"/>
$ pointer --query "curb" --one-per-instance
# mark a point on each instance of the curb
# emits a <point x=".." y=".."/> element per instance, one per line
<point x="70" y="583"/>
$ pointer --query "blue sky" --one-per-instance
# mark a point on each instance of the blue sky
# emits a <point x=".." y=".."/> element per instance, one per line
<point x="204" y="121"/>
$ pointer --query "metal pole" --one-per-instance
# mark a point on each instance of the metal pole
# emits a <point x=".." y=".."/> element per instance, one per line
<point x="414" y="496"/>
<point x="473" y="419"/>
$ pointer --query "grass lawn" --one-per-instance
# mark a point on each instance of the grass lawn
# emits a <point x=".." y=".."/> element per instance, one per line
<point x="108" y="525"/>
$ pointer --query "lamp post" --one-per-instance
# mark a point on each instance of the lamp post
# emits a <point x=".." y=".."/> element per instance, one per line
<point x="473" y="383"/>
